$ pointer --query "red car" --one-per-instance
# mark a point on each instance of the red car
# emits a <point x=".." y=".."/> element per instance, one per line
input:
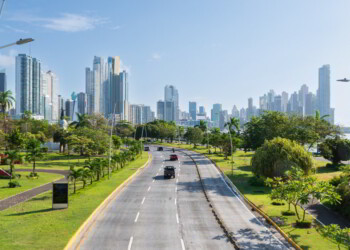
<point x="173" y="157"/>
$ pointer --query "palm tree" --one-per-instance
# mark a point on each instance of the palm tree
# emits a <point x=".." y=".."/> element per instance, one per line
<point x="202" y="125"/>
<point x="34" y="151"/>
<point x="233" y="124"/>
<point x="75" y="175"/>
<point x="13" y="156"/>
<point x="6" y="102"/>
<point x="82" y="121"/>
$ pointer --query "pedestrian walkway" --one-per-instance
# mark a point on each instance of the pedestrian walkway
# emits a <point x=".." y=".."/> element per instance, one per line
<point x="24" y="196"/>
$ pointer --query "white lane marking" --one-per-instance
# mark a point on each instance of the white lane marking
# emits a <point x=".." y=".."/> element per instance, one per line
<point x="153" y="181"/>
<point x="175" y="201"/>
<point x="143" y="200"/>
<point x="137" y="216"/>
<point x="160" y="169"/>
<point x="149" y="188"/>
<point x="175" y="189"/>
<point x="156" y="174"/>
<point x="177" y="218"/>
<point x="182" y="244"/>
<point x="177" y="180"/>
<point x="130" y="242"/>
<point x="178" y="174"/>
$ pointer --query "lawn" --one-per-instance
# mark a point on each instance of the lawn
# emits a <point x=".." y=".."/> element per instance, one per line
<point x="33" y="224"/>
<point x="305" y="238"/>
<point x="26" y="183"/>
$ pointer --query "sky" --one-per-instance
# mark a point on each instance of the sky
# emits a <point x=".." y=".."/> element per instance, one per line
<point x="222" y="51"/>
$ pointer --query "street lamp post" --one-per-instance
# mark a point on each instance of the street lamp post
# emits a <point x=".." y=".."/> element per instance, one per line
<point x="231" y="153"/>
<point x="19" y="42"/>
<point x="110" y="143"/>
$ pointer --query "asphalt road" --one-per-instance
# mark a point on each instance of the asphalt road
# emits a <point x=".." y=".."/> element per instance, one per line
<point x="154" y="213"/>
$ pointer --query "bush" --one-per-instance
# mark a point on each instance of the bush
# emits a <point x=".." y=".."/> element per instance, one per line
<point x="33" y="175"/>
<point x="278" y="155"/>
<point x="257" y="181"/>
<point x="288" y="213"/>
<point x="303" y="224"/>
<point x="13" y="184"/>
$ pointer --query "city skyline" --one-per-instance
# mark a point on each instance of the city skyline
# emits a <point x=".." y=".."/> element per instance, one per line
<point x="243" y="61"/>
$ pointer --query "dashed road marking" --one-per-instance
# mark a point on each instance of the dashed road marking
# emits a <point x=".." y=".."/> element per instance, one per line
<point x="149" y="188"/>
<point x="153" y="181"/>
<point x="177" y="218"/>
<point x="182" y="244"/>
<point x="130" y="242"/>
<point x="175" y="201"/>
<point x="143" y="200"/>
<point x="177" y="180"/>
<point x="137" y="216"/>
<point x="175" y="189"/>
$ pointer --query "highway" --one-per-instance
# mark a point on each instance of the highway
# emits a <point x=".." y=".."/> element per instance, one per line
<point x="156" y="213"/>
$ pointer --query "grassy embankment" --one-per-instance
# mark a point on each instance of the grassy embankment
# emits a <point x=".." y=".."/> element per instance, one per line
<point x="33" y="224"/>
<point x="26" y="183"/>
<point x="305" y="238"/>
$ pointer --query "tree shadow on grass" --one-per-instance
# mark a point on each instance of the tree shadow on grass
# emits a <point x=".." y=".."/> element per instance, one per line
<point x="32" y="212"/>
<point x="43" y="198"/>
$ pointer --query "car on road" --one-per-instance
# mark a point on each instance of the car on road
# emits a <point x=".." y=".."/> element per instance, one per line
<point x="160" y="148"/>
<point x="146" y="148"/>
<point x="169" y="171"/>
<point x="173" y="157"/>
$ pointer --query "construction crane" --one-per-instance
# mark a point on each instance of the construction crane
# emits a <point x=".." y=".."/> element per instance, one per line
<point x="2" y="6"/>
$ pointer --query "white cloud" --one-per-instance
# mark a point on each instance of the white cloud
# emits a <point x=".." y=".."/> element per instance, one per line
<point x="117" y="27"/>
<point x="15" y="29"/>
<point x="156" y="56"/>
<point x="7" y="60"/>
<point x="66" y="22"/>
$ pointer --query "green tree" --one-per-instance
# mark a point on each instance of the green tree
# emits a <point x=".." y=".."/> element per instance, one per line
<point x="13" y="156"/>
<point x="233" y="126"/>
<point x="6" y="102"/>
<point x="83" y="121"/>
<point x="335" y="149"/>
<point x="278" y="155"/>
<point x="194" y="135"/>
<point x="34" y="151"/>
<point x="117" y="141"/>
<point x="202" y="125"/>
<point x="337" y="234"/>
<point x="74" y="176"/>
<point x="15" y="140"/>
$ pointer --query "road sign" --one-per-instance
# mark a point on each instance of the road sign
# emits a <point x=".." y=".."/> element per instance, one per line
<point x="59" y="195"/>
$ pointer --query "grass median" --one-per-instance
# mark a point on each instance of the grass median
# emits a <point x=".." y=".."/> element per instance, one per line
<point x="34" y="225"/>
<point x="26" y="183"/>
<point x="259" y="195"/>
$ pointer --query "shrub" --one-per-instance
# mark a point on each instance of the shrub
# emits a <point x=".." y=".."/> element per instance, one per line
<point x="257" y="181"/>
<point x="33" y="175"/>
<point x="278" y="155"/>
<point x="13" y="184"/>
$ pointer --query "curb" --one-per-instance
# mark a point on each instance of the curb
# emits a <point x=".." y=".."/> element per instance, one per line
<point x="85" y="227"/>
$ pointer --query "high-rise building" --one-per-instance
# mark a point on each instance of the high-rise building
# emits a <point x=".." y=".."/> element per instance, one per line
<point x="235" y="112"/>
<point x="294" y="103"/>
<point x="111" y="85"/>
<point x="243" y="115"/>
<point x="47" y="107"/>
<point x="277" y="103"/>
<point x="223" y="118"/>
<point x="24" y="79"/>
<point x="123" y="98"/>
<point x="202" y="111"/>
<point x="284" y="101"/>
<point x="160" y="110"/>
<point x="146" y="114"/>
<point x="3" y="85"/>
<point x="324" y="91"/>
<point x="270" y="99"/>
<point x="192" y="109"/>
<point x="169" y="111"/>
<point x="36" y="86"/>
<point x="90" y="90"/>
<point x="82" y="103"/>
<point x="250" y="109"/>
<point x="135" y="115"/>
<point x="69" y="108"/>
<point x="310" y="104"/>
<point x="171" y="94"/>
<point x="263" y="102"/>
<point x="215" y="114"/>
<point x="50" y="87"/>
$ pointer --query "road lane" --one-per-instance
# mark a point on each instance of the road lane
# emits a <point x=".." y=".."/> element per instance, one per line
<point x="154" y="213"/>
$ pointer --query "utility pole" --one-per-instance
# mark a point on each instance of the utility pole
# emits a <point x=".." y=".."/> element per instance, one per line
<point x="110" y="143"/>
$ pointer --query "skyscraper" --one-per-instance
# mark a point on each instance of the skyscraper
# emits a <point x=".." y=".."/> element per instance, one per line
<point x="50" y="87"/>
<point x="123" y="98"/>
<point x="324" y="91"/>
<point x="160" y="110"/>
<point x="235" y="112"/>
<point x="192" y="109"/>
<point x="172" y="95"/>
<point x="304" y="90"/>
<point x="277" y="103"/>
<point x="3" y="85"/>
<point x="284" y="100"/>
<point x="310" y="104"/>
<point x="89" y="90"/>
<point x="215" y="114"/>
<point x="111" y="84"/>
<point x="82" y="103"/>
<point x="202" y="111"/>
<point x="24" y="79"/>
<point x="36" y="86"/>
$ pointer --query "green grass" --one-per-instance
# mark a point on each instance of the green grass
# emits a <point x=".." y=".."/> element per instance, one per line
<point x="25" y="183"/>
<point x="305" y="238"/>
<point x="34" y="225"/>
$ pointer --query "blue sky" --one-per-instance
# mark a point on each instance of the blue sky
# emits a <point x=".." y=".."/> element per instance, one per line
<point x="212" y="51"/>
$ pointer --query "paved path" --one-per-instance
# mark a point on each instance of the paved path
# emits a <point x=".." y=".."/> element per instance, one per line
<point x="156" y="213"/>
<point x="26" y="195"/>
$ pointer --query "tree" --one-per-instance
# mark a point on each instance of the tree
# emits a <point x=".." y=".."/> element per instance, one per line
<point x="202" y="125"/>
<point x="233" y="126"/>
<point x="194" y="135"/>
<point x="34" y="151"/>
<point x="335" y="149"/>
<point x="83" y="121"/>
<point x="124" y="129"/>
<point x="335" y="233"/>
<point x="215" y="138"/>
<point x="13" y="156"/>
<point x="278" y="155"/>
<point x="117" y="141"/>
<point x="61" y="136"/>
<point x="74" y="176"/>
<point x="15" y="140"/>
<point x="6" y="102"/>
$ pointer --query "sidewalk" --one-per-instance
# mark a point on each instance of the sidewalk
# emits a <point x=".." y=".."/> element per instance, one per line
<point x="26" y="195"/>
